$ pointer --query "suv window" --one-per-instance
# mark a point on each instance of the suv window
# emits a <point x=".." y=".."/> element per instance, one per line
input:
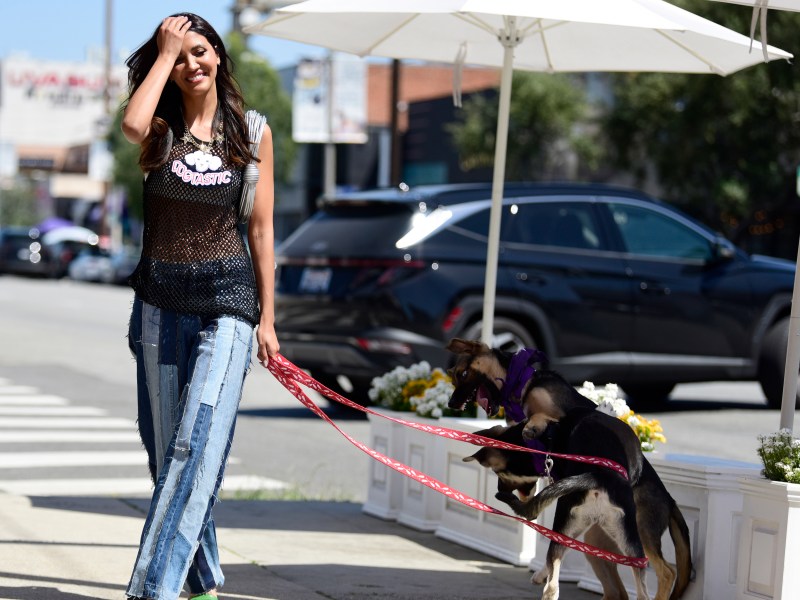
<point x="651" y="233"/>
<point x="351" y="230"/>
<point x="565" y="225"/>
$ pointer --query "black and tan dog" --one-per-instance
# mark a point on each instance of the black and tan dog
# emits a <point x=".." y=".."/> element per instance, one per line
<point x="587" y="495"/>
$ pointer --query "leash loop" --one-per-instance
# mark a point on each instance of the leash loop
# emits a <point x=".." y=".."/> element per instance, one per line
<point x="289" y="375"/>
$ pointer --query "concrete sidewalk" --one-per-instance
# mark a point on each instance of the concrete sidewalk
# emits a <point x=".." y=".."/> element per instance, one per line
<point x="72" y="548"/>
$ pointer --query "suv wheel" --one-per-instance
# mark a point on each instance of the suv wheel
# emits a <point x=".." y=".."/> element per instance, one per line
<point x="772" y="363"/>
<point x="509" y="335"/>
<point x="648" y="396"/>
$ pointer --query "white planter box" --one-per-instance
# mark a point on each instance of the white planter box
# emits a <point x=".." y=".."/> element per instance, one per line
<point x="769" y="546"/>
<point x="745" y="530"/>
<point x="421" y="507"/>
<point x="707" y="490"/>
<point x="385" y="485"/>
<point x="493" y="535"/>
<point x="391" y="495"/>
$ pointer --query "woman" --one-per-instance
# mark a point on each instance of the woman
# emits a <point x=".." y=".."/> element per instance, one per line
<point x="198" y="294"/>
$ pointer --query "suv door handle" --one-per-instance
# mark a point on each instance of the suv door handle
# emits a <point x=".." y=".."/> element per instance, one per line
<point x="654" y="289"/>
<point x="529" y="278"/>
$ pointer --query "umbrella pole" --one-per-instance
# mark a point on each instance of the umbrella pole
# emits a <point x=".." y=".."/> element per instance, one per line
<point x="792" y="357"/>
<point x="509" y="41"/>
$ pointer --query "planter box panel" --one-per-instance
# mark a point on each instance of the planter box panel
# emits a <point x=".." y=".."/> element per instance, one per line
<point x="769" y="545"/>
<point x="385" y="485"/>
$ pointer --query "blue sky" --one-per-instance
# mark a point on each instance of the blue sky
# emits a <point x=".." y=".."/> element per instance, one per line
<point x="65" y="30"/>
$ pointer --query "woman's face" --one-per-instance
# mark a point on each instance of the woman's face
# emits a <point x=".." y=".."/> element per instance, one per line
<point x="196" y="66"/>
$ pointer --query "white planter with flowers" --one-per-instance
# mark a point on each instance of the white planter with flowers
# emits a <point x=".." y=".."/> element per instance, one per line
<point x="744" y="527"/>
<point x="416" y="393"/>
<point x="423" y="394"/>
<point x="769" y="542"/>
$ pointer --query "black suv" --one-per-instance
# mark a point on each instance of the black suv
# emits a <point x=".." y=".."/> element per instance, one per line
<point x="614" y="286"/>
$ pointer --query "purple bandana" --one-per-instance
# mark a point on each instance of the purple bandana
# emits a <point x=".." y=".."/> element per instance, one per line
<point x="519" y="374"/>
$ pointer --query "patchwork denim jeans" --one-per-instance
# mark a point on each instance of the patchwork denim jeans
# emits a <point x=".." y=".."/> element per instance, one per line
<point x="190" y="374"/>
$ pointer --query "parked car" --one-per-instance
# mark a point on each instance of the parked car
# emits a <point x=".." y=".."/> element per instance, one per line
<point x="22" y="252"/>
<point x="98" y="264"/>
<point x="613" y="285"/>
<point x="26" y="251"/>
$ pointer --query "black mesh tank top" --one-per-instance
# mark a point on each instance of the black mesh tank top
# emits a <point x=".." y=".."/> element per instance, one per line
<point x="194" y="259"/>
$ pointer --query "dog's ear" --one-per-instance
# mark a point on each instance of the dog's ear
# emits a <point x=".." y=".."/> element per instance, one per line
<point x="493" y="432"/>
<point x="473" y="347"/>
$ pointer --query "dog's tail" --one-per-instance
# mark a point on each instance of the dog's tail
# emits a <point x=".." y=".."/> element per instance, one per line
<point x="679" y="532"/>
<point x="533" y="506"/>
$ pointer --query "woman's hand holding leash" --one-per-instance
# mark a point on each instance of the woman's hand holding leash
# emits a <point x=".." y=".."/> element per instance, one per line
<point x="268" y="345"/>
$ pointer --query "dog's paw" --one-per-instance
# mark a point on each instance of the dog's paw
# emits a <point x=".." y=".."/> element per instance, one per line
<point x="540" y="576"/>
<point x="508" y="498"/>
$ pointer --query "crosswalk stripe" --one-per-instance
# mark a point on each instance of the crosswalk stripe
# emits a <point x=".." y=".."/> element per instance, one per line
<point x="31" y="460"/>
<point x="32" y="400"/>
<point x="27" y="416"/>
<point x="28" y="460"/>
<point x="123" y="487"/>
<point x="52" y="411"/>
<point x="66" y="423"/>
<point x="16" y="389"/>
<point x="79" y="437"/>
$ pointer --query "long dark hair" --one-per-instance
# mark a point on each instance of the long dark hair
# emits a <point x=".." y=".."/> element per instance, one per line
<point x="169" y="112"/>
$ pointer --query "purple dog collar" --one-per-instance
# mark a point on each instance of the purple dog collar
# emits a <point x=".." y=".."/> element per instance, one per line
<point x="520" y="372"/>
<point x="518" y="375"/>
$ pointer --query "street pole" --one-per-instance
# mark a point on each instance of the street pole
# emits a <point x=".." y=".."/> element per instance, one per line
<point x="792" y="364"/>
<point x="104" y="229"/>
<point x="329" y="183"/>
<point x="396" y="162"/>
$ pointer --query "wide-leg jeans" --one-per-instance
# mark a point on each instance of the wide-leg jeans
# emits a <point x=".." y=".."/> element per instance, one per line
<point x="190" y="374"/>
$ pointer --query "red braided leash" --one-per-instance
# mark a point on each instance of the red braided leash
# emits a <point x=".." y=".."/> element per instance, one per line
<point x="289" y="375"/>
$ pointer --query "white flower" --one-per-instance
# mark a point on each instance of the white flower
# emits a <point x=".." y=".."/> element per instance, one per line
<point x="607" y="398"/>
<point x="434" y="400"/>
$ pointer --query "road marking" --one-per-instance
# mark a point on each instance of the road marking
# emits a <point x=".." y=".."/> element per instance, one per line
<point x="29" y="417"/>
<point x="32" y="400"/>
<point x="75" y="437"/>
<point x="29" y="460"/>
<point x="66" y="423"/>
<point x="53" y="411"/>
<point x="16" y="389"/>
<point x="134" y="486"/>
<point x="32" y="460"/>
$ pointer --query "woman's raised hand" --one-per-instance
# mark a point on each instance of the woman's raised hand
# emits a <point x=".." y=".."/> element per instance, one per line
<point x="171" y="34"/>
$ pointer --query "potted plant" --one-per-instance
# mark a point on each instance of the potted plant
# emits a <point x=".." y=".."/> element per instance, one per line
<point x="770" y="535"/>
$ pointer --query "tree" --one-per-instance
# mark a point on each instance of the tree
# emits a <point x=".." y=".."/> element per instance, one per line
<point x="546" y="110"/>
<point x="721" y="147"/>
<point x="125" y="171"/>
<point x="262" y="91"/>
<point x="18" y="204"/>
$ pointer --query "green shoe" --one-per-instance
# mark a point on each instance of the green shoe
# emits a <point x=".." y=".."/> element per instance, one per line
<point x="205" y="597"/>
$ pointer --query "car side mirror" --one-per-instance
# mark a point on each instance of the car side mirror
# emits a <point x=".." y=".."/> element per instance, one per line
<point x="722" y="250"/>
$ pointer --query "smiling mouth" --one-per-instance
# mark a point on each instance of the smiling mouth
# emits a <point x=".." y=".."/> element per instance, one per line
<point x="196" y="78"/>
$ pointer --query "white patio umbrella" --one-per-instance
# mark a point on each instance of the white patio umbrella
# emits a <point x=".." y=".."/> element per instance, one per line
<point x="760" y="8"/>
<point x="533" y="35"/>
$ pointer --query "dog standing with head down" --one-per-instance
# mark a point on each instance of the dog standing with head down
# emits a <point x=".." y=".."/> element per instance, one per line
<point x="590" y="498"/>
